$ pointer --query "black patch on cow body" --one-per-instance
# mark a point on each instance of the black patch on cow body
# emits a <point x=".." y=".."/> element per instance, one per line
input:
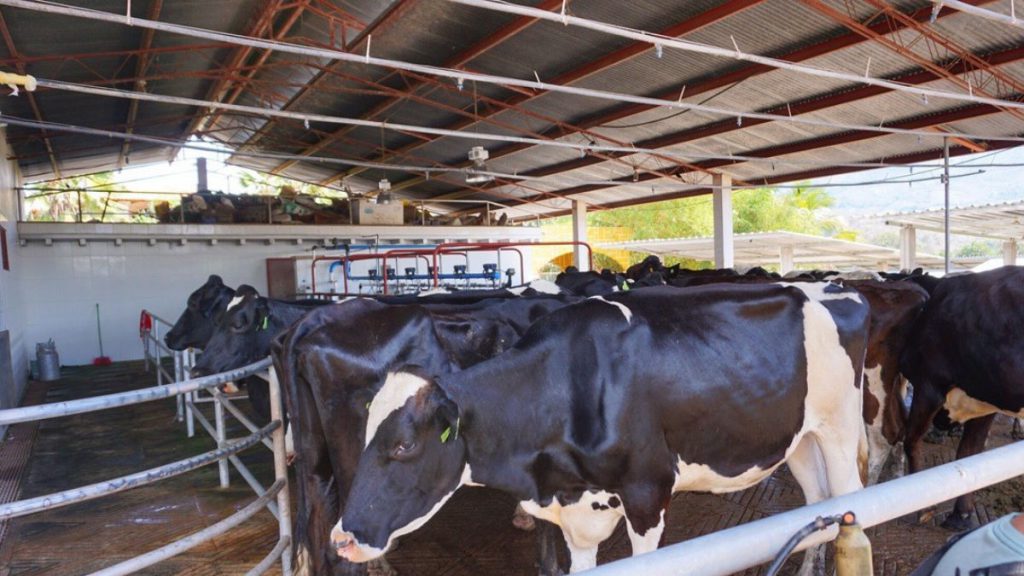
<point x="971" y="336"/>
<point x="594" y="400"/>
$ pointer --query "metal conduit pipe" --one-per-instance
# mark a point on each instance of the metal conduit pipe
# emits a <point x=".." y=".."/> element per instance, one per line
<point x="175" y="548"/>
<point x="71" y="407"/>
<point x="60" y="499"/>
<point x="754" y="543"/>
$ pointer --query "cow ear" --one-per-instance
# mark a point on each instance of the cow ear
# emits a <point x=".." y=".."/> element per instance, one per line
<point x="446" y="412"/>
<point x="215" y="280"/>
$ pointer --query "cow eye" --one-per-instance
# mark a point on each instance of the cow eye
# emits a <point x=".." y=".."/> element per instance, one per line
<point x="403" y="449"/>
<point x="238" y="324"/>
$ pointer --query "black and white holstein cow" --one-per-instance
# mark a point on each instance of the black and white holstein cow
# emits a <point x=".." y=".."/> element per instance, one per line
<point x="195" y="325"/>
<point x="340" y="363"/>
<point x="966" y="354"/>
<point x="606" y="408"/>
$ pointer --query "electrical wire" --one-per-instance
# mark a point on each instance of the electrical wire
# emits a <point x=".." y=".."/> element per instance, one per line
<point x="460" y="76"/>
<point x="563" y="182"/>
<point x="659" y="40"/>
<point x="327" y="119"/>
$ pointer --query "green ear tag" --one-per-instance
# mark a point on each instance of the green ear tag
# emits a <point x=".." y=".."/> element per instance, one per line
<point x="264" y="325"/>
<point x="444" y="435"/>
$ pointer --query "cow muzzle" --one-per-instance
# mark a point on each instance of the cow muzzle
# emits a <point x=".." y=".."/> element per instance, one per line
<point x="345" y="546"/>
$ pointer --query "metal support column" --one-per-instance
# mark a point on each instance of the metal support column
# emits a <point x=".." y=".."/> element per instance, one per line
<point x="222" y="439"/>
<point x="908" y="248"/>
<point x="1010" y="252"/>
<point x="722" y="200"/>
<point x="201" y="182"/>
<point x="281" y="473"/>
<point x="579" y="234"/>
<point x="945" y="181"/>
<point x="785" y="259"/>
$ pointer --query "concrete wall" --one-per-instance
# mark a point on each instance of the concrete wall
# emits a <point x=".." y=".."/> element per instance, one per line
<point x="64" y="282"/>
<point x="66" y="269"/>
<point x="12" y="385"/>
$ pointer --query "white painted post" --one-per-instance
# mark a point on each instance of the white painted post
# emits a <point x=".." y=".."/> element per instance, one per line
<point x="945" y="181"/>
<point x="908" y="248"/>
<point x="579" y="234"/>
<point x="1010" y="253"/>
<point x="281" y="472"/>
<point x="201" y="185"/>
<point x="222" y="438"/>
<point x="785" y="259"/>
<point x="722" y="201"/>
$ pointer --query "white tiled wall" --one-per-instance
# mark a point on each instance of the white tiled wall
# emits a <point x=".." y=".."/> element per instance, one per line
<point x="11" y="303"/>
<point x="63" y="283"/>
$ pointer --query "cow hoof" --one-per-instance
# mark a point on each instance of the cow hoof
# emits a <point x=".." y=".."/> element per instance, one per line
<point x="380" y="567"/>
<point x="957" y="522"/>
<point x="523" y="521"/>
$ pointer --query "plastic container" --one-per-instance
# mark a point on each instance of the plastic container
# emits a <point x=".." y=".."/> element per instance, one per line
<point x="48" y="361"/>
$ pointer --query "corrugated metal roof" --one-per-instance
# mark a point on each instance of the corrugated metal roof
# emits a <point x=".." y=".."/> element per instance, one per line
<point x="436" y="31"/>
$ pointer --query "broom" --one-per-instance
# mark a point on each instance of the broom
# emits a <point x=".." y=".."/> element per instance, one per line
<point x="100" y="360"/>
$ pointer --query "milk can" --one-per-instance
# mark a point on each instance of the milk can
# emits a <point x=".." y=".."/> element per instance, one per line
<point x="48" y="361"/>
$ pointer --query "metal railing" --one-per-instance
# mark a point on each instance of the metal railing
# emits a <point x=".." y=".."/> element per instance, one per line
<point x="227" y="450"/>
<point x="748" y="545"/>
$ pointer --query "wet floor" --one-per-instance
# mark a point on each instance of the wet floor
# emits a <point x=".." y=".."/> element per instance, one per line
<point x="472" y="535"/>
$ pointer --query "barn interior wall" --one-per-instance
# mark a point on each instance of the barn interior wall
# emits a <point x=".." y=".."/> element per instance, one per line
<point x="12" y="381"/>
<point x="68" y="280"/>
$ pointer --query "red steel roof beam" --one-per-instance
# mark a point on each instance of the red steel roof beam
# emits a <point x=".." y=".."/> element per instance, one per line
<point x="457" y="61"/>
<point x="973" y="65"/>
<point x="720" y="81"/>
<point x="262" y="23"/>
<point x="141" y="67"/>
<point x="9" y="42"/>
<point x="614" y="58"/>
<point x="394" y="10"/>
<point x="792" y="177"/>
<point x="918" y="122"/>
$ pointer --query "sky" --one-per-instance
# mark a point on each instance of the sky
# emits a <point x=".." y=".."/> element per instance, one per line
<point x="967" y="185"/>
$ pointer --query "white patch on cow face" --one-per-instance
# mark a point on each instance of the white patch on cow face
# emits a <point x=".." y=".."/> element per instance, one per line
<point x="360" y="552"/>
<point x="397" y="389"/>
<point x="622" y="307"/>
<point x="583" y="527"/>
<point x="235" y="302"/>
<point x="962" y="407"/>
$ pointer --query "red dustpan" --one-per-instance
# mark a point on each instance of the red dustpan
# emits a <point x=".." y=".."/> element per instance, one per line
<point x="100" y="360"/>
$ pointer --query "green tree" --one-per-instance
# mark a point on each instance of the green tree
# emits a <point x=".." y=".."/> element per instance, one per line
<point x="802" y="209"/>
<point x="978" y="249"/>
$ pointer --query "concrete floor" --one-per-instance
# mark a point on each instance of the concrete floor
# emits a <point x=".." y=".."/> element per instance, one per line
<point x="472" y="535"/>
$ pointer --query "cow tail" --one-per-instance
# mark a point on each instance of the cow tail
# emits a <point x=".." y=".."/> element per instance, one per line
<point x="285" y="357"/>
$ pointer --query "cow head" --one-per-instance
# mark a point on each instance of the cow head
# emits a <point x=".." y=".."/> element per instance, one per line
<point x="195" y="325"/>
<point x="236" y="340"/>
<point x="413" y="462"/>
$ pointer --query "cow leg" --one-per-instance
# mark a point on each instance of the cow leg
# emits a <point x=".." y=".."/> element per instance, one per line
<point x="807" y="465"/>
<point x="547" y="548"/>
<point x="972" y="442"/>
<point x="649" y="540"/>
<point x="925" y="405"/>
<point x="584" y="529"/>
